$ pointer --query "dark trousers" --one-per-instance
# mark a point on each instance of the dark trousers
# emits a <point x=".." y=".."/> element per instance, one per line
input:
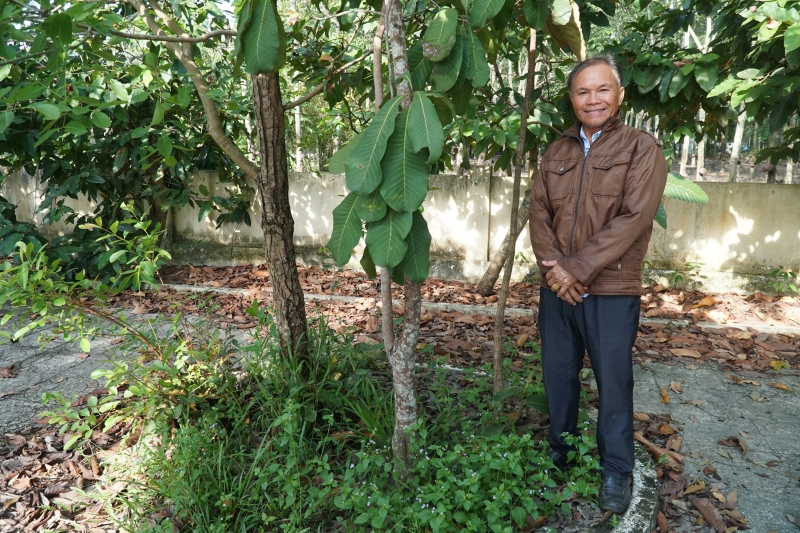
<point x="604" y="326"/>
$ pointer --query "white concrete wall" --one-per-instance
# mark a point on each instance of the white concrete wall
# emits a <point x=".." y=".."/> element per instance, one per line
<point x="744" y="229"/>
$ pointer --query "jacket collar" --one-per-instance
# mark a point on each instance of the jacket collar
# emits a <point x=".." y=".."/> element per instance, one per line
<point x="613" y="122"/>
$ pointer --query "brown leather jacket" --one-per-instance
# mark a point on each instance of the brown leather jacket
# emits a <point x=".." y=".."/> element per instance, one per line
<point x="595" y="214"/>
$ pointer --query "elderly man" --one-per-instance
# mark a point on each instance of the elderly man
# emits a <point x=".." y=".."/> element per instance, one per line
<point x="591" y="217"/>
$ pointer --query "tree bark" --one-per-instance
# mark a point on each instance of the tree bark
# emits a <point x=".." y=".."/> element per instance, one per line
<point x="736" y="150"/>
<point x="276" y="221"/>
<point x="402" y="356"/>
<point x="774" y="140"/>
<point x="499" y="319"/>
<point x="485" y="286"/>
<point x="701" y="150"/>
<point x="684" y="155"/>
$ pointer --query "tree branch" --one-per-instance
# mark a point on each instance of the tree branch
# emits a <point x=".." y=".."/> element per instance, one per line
<point x="173" y="39"/>
<point x="336" y="15"/>
<point x="314" y="92"/>
<point x="183" y="54"/>
<point x="31" y="56"/>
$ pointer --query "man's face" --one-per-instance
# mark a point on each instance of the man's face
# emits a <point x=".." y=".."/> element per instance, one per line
<point x="595" y="96"/>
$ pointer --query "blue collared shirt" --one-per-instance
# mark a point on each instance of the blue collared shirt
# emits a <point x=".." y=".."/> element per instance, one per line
<point x="585" y="141"/>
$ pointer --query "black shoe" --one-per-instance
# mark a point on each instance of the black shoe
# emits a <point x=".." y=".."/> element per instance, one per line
<point x="560" y="460"/>
<point x="615" y="494"/>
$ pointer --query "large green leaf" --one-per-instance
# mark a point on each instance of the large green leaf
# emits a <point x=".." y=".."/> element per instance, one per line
<point x="482" y="10"/>
<point x="445" y="73"/>
<point x="371" y="208"/>
<point x="478" y="68"/>
<point x="368" y="264"/>
<point x="425" y="129"/>
<point x="363" y="167"/>
<point x="791" y="39"/>
<point x="561" y="11"/>
<point x="49" y="111"/>
<point x="684" y="189"/>
<point x="440" y="37"/>
<point x="405" y="172"/>
<point x="417" y="262"/>
<point x="386" y="238"/>
<point x="706" y="75"/>
<point x="264" y="39"/>
<point x="781" y="111"/>
<point x="536" y="12"/>
<point x="678" y="82"/>
<point x="6" y="118"/>
<point x="419" y="68"/>
<point x="337" y="161"/>
<point x="346" y="230"/>
<point x="61" y="30"/>
<point x="75" y="128"/>
<point x="661" y="216"/>
<point x="164" y="145"/>
<point x="567" y="33"/>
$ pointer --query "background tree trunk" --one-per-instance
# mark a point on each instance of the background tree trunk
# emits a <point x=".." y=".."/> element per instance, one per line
<point x="774" y="140"/>
<point x="736" y="150"/>
<point x="684" y="155"/>
<point x="277" y="222"/>
<point x="701" y="150"/>
<point x="513" y="231"/>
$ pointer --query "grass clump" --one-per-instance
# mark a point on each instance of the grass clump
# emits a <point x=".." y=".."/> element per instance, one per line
<point x="298" y="449"/>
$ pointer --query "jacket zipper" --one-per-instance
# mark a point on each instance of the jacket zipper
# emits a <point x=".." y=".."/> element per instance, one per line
<point x="578" y="199"/>
<point x="619" y="264"/>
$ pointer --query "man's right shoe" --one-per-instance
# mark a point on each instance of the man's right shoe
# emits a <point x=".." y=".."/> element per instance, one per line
<point x="615" y="494"/>
<point x="559" y="459"/>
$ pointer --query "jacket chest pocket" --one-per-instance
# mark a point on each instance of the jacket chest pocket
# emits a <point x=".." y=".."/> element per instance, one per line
<point x="608" y="175"/>
<point x="560" y="176"/>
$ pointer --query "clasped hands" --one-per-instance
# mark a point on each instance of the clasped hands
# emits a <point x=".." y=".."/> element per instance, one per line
<point x="565" y="284"/>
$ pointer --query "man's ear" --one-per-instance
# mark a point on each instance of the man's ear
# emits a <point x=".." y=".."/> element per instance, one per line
<point x="621" y="95"/>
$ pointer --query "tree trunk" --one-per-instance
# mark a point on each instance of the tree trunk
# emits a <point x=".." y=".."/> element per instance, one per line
<point x="684" y="155"/>
<point x="787" y="179"/>
<point x="774" y="140"/>
<point x="402" y="356"/>
<point x="736" y="150"/>
<point x="499" y="319"/>
<point x="276" y="221"/>
<point x="485" y="286"/>
<point x="701" y="150"/>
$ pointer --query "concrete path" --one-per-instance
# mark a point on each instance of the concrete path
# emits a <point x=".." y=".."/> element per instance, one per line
<point x="714" y="407"/>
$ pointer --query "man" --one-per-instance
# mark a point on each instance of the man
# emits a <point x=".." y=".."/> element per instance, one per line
<point x="591" y="217"/>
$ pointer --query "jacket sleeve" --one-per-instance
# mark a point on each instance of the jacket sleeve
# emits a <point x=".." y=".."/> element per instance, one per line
<point x="543" y="239"/>
<point x="644" y="187"/>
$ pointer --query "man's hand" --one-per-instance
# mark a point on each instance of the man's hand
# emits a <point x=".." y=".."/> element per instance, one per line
<point x="565" y="284"/>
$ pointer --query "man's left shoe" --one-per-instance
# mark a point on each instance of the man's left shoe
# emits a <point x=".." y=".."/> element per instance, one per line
<point x="615" y="494"/>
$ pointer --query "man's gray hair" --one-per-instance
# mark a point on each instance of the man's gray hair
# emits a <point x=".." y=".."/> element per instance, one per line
<point x="602" y="59"/>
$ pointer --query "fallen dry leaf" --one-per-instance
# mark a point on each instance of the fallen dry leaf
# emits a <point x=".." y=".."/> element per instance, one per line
<point x="666" y="429"/>
<point x="662" y="522"/>
<point x="664" y="395"/>
<point x="780" y="386"/>
<point x="641" y="417"/>
<point x="778" y="364"/>
<point x="8" y="372"/>
<point x="676" y="386"/>
<point x="674" y="443"/>
<point x="697" y="486"/>
<point x="685" y="352"/>
<point x="710" y="513"/>
<point x="708" y="301"/>
<point x="522" y="340"/>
